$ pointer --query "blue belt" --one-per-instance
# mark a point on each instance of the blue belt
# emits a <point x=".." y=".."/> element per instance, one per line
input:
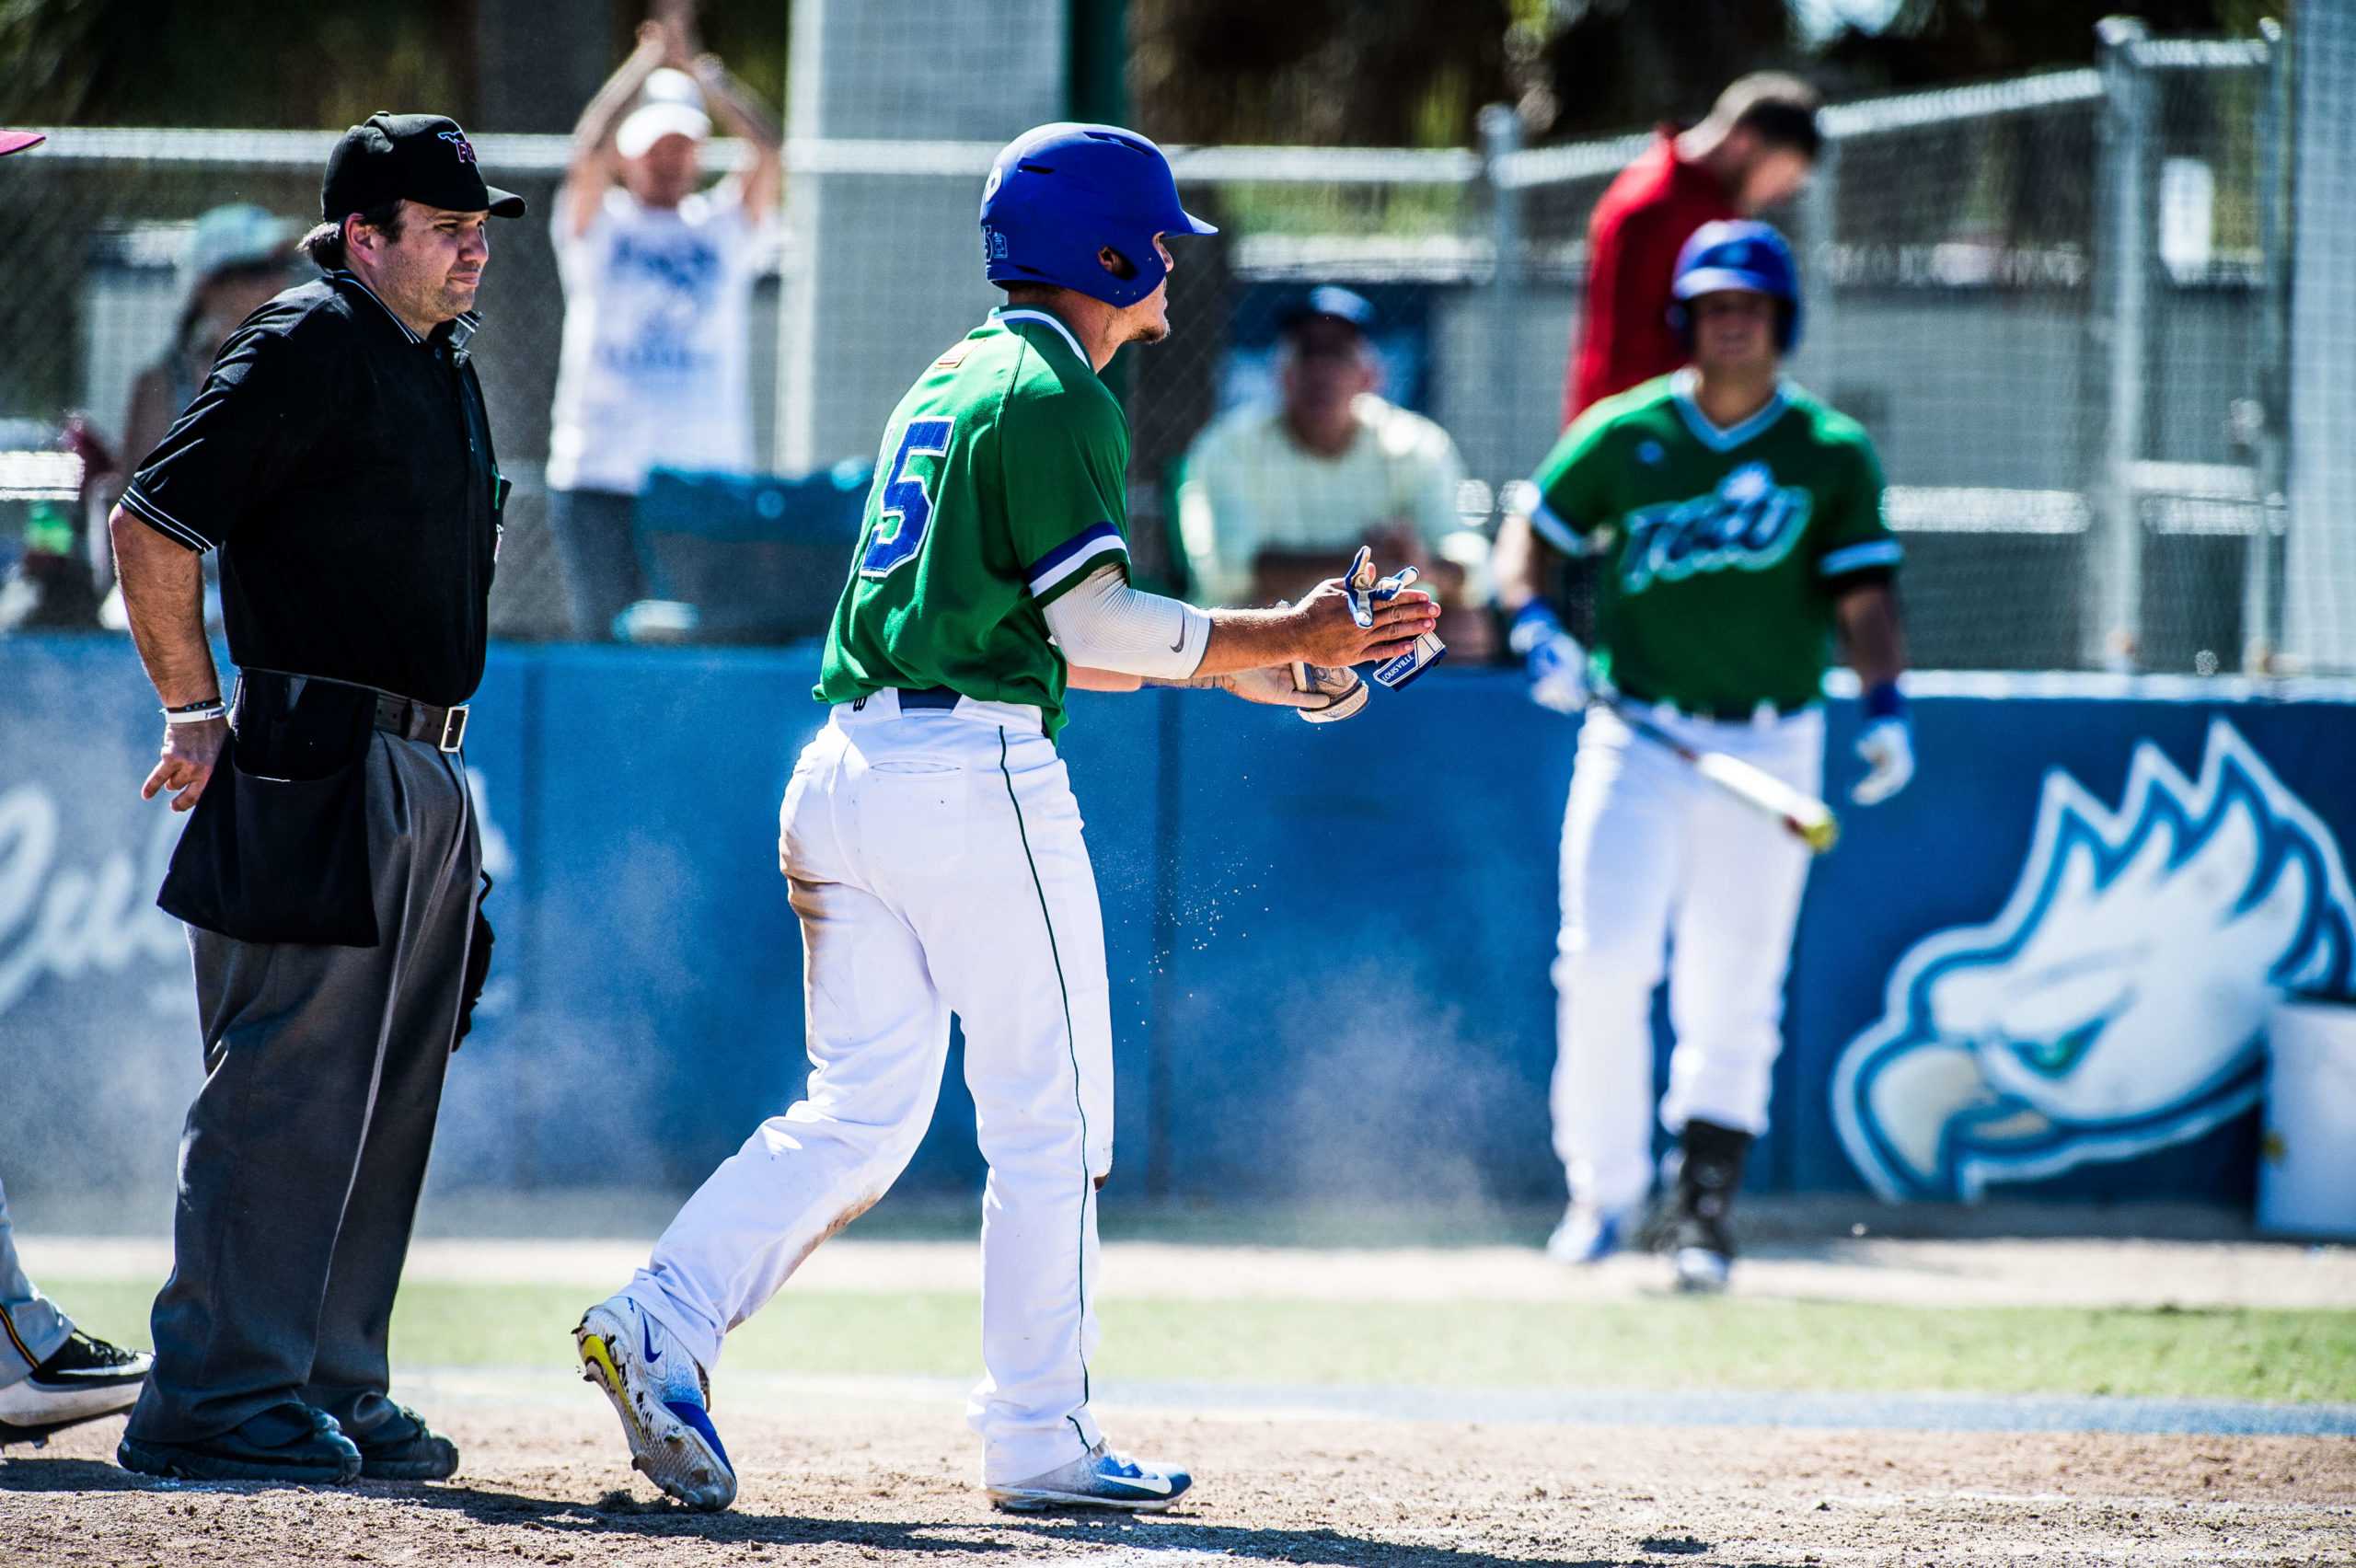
<point x="930" y="696"/>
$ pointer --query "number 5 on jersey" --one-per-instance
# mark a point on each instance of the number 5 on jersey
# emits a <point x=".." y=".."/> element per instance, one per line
<point x="907" y="510"/>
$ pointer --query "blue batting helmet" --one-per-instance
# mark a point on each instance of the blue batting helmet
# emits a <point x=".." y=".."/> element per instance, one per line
<point x="1741" y="255"/>
<point x="1060" y="194"/>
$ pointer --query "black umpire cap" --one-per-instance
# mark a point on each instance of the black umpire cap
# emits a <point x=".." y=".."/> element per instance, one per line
<point x="424" y="158"/>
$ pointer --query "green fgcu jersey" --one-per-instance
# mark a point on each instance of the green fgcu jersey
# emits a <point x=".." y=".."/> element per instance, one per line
<point x="999" y="487"/>
<point x="1722" y="551"/>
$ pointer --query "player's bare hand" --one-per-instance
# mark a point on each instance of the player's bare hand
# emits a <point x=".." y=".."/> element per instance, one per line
<point x="1327" y="631"/>
<point x="653" y="38"/>
<point x="190" y="753"/>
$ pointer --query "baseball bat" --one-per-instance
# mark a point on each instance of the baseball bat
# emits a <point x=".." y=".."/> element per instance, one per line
<point x="1805" y="818"/>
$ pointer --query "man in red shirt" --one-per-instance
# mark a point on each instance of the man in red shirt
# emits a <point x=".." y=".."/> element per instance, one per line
<point x="1754" y="150"/>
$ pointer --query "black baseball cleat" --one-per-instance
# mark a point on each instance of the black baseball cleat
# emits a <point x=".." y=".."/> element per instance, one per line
<point x="1701" y="1239"/>
<point x="86" y="1380"/>
<point x="407" y="1449"/>
<point x="287" y="1442"/>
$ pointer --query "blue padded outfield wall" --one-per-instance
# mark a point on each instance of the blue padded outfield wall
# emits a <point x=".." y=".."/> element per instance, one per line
<point x="2045" y="964"/>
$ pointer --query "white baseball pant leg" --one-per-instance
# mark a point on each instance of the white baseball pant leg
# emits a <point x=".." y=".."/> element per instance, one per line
<point x="1732" y="941"/>
<point x="1623" y="862"/>
<point x="937" y="864"/>
<point x="1648" y="847"/>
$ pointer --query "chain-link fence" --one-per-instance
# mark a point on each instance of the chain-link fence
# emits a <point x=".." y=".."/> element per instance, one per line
<point x="97" y="286"/>
<point x="2059" y="303"/>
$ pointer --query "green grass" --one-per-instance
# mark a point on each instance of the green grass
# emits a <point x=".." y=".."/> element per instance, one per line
<point x="1662" y="1344"/>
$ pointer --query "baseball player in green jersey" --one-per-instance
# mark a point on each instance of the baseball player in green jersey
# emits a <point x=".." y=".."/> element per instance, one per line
<point x="934" y="848"/>
<point x="1737" y="524"/>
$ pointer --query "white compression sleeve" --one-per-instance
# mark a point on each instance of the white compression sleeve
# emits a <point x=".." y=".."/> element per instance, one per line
<point x="1104" y="624"/>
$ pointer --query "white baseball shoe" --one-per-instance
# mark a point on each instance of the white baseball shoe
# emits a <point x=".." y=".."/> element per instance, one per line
<point x="664" y="1399"/>
<point x="1098" y="1479"/>
<point x="1590" y="1232"/>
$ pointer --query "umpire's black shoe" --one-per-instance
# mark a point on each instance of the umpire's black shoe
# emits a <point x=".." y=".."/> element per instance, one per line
<point x="85" y="1379"/>
<point x="408" y="1449"/>
<point x="287" y="1442"/>
<point x="1710" y="1171"/>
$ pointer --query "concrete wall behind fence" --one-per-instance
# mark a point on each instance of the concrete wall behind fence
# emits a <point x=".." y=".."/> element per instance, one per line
<point x="1328" y="948"/>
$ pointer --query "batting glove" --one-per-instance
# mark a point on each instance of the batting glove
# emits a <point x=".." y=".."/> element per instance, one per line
<point x="1366" y="590"/>
<point x="1335" y="695"/>
<point x="1316" y="694"/>
<point x="1557" y="665"/>
<point x="1368" y="587"/>
<point x="1885" y="745"/>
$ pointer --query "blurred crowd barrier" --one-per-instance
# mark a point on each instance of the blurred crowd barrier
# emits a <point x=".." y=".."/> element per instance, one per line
<point x="2100" y="321"/>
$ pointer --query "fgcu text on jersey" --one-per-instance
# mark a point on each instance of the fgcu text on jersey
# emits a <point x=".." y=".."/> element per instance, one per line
<point x="1747" y="521"/>
<point x="1726" y="548"/>
<point x="999" y="487"/>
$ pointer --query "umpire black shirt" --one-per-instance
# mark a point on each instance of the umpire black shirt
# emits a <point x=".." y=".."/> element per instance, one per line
<point x="343" y="466"/>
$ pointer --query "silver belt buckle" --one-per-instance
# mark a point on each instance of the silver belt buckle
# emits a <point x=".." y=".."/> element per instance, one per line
<point x="454" y="729"/>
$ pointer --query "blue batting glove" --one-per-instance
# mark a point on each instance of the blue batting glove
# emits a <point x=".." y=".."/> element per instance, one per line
<point x="1557" y="665"/>
<point x="1368" y="587"/>
<point x="1885" y="745"/>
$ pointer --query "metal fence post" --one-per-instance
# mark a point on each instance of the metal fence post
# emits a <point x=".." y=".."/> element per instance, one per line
<point x="2124" y="249"/>
<point x="1820" y="209"/>
<point x="1500" y="139"/>
<point x="2262" y="591"/>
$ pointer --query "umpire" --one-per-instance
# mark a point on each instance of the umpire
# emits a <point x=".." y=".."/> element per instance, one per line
<point x="339" y="457"/>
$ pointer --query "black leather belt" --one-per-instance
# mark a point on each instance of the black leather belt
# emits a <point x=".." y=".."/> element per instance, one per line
<point x="930" y="696"/>
<point x="442" y="728"/>
<point x="445" y="727"/>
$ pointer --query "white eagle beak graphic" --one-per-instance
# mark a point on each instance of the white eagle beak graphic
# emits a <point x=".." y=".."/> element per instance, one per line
<point x="2118" y="1003"/>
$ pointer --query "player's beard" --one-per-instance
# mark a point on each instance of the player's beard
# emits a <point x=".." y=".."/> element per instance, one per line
<point x="1150" y="332"/>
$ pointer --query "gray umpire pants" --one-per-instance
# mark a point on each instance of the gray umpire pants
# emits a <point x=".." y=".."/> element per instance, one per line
<point x="31" y="1328"/>
<point x="305" y="1149"/>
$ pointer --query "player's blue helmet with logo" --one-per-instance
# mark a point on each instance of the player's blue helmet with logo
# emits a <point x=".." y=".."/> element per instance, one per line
<point x="1060" y="194"/>
<point x="1743" y="255"/>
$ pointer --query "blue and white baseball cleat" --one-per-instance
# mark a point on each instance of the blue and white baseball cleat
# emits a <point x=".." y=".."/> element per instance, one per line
<point x="664" y="1400"/>
<point x="1590" y="1233"/>
<point x="1098" y="1479"/>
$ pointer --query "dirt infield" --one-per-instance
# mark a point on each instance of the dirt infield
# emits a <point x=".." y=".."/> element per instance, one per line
<point x="882" y="1482"/>
<point x="861" y="1470"/>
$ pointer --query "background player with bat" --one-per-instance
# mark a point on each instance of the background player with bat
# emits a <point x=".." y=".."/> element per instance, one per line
<point x="1736" y="523"/>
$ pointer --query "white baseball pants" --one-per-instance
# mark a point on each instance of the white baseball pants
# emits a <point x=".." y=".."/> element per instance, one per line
<point x="1661" y="870"/>
<point x="937" y="865"/>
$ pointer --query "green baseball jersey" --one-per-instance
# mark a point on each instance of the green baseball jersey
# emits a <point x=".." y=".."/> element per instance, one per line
<point x="999" y="487"/>
<point x="1724" y="549"/>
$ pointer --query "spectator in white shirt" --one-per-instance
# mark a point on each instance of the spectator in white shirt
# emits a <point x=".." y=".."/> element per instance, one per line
<point x="658" y="282"/>
<point x="1276" y="496"/>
